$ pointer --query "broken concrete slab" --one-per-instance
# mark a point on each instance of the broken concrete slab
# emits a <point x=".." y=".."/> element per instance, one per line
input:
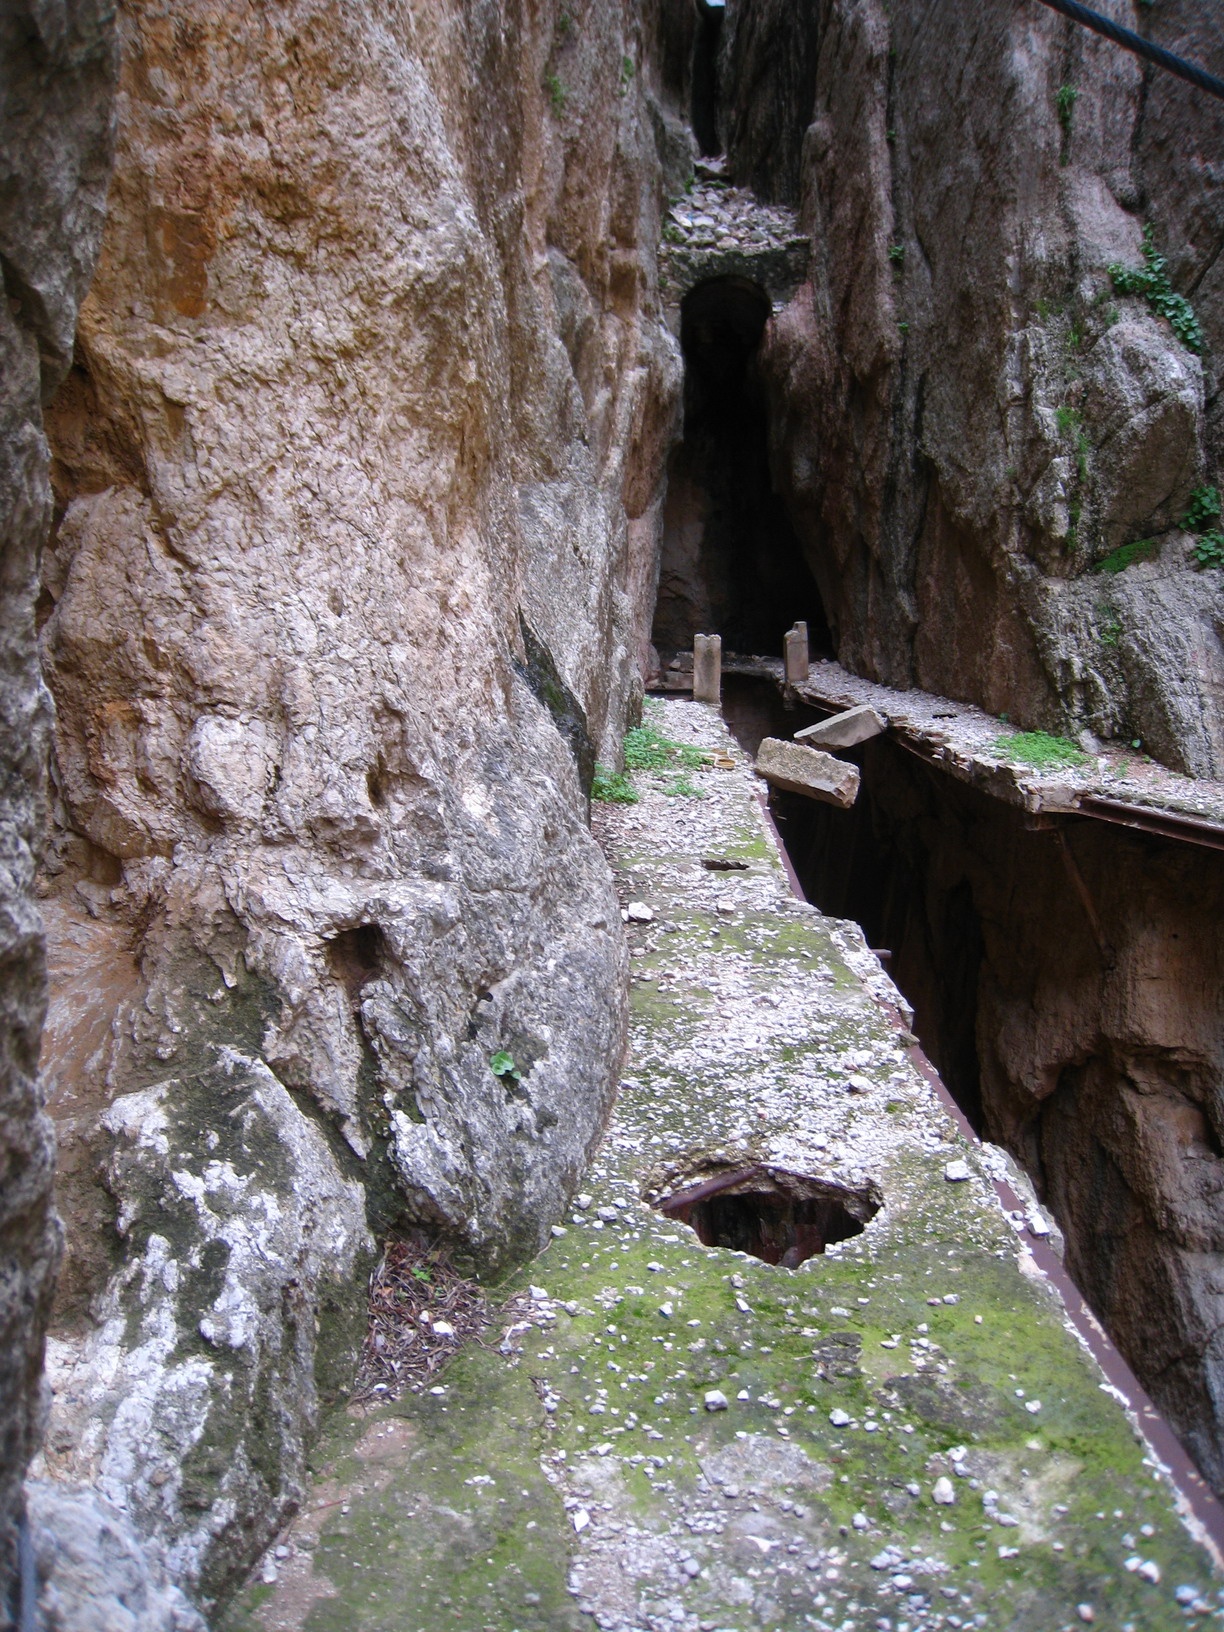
<point x="800" y="769"/>
<point x="845" y="730"/>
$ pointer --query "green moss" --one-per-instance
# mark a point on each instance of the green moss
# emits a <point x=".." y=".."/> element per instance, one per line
<point x="1140" y="549"/>
<point x="1041" y="750"/>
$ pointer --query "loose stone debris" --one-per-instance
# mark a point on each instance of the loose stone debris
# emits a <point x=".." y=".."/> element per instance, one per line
<point x="720" y="231"/>
<point x="899" y="1435"/>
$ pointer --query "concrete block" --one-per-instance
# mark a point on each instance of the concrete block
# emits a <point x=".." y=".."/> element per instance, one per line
<point x="845" y="730"/>
<point x="806" y="770"/>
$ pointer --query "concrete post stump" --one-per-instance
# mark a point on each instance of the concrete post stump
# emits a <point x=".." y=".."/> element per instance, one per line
<point x="707" y="669"/>
<point x="795" y="648"/>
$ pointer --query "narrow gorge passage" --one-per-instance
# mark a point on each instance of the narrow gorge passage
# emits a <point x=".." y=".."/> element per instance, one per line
<point x="1064" y="975"/>
<point x="731" y="563"/>
<point x="391" y="395"/>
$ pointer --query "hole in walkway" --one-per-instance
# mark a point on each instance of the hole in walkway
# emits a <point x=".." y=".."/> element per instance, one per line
<point x="780" y="1217"/>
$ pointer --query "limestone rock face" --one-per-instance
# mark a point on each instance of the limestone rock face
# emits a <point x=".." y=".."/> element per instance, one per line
<point x="968" y="419"/>
<point x="95" y="1574"/>
<point x="56" y="92"/>
<point x="358" y="465"/>
<point x="243" y="1247"/>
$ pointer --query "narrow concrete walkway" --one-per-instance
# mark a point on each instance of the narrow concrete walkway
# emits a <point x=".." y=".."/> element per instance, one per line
<point x="899" y="1435"/>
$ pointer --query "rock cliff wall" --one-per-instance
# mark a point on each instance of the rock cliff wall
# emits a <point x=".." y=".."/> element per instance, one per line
<point x="357" y="473"/>
<point x="968" y="418"/>
<point x="56" y="93"/>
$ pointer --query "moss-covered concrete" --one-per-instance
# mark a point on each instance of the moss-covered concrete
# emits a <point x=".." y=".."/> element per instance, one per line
<point x="571" y="1475"/>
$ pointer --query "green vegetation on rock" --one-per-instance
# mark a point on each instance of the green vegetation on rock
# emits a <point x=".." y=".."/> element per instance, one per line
<point x="1109" y="625"/>
<point x="1140" y="549"/>
<point x="683" y="787"/>
<point x="558" y="92"/>
<point x="1203" y="518"/>
<point x="1065" y="100"/>
<point x="647" y="749"/>
<point x="612" y="787"/>
<point x="1041" y="750"/>
<point x="1151" y="280"/>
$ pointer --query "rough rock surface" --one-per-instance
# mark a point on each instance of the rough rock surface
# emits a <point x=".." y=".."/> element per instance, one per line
<point x="56" y="91"/>
<point x="95" y="1574"/>
<point x="190" y="1403"/>
<point x="807" y="771"/>
<point x="358" y="466"/>
<point x="967" y="418"/>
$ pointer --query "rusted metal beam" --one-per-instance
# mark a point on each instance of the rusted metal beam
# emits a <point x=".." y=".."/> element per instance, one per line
<point x="1166" y="824"/>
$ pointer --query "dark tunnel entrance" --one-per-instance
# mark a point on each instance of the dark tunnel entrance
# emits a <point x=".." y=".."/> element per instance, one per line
<point x="731" y="562"/>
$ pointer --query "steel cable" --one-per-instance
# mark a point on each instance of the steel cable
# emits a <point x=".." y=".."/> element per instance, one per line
<point x="1143" y="48"/>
